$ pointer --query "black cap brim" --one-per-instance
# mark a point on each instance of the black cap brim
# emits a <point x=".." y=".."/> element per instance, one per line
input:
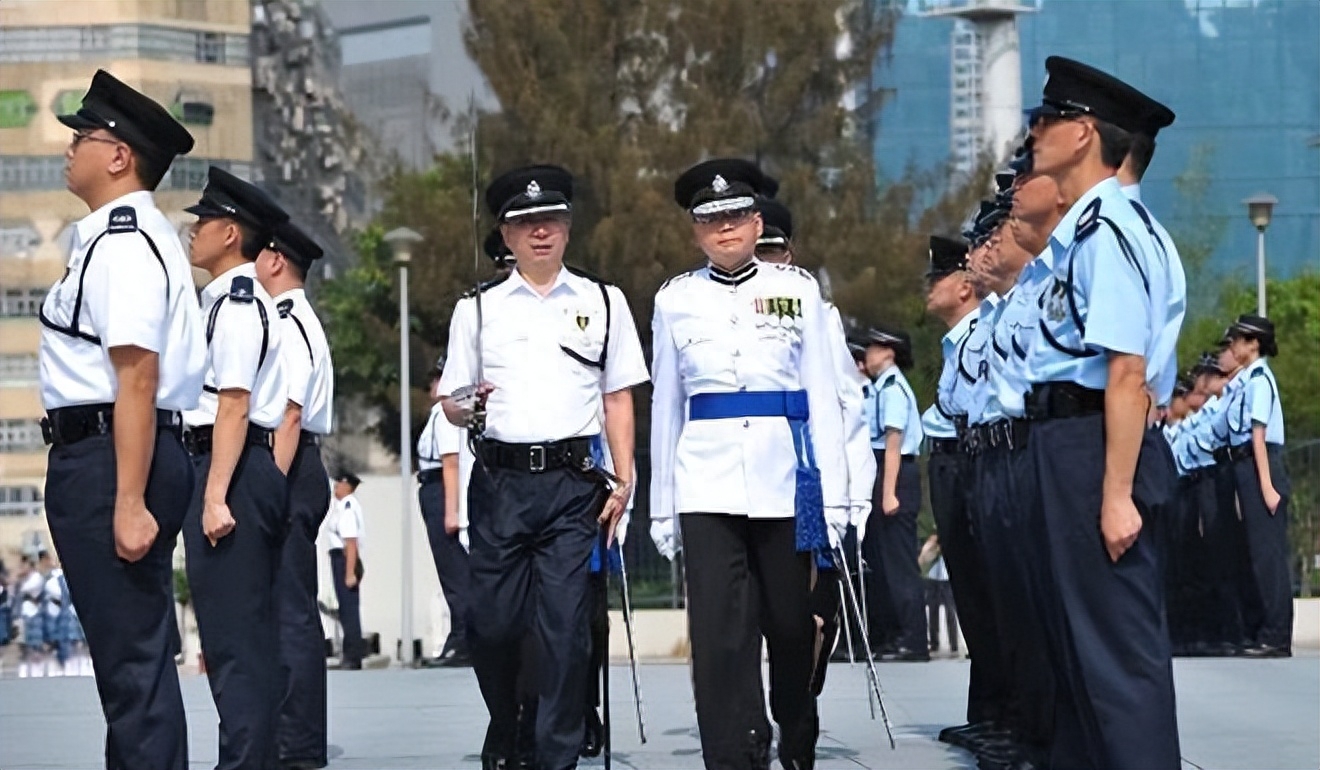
<point x="79" y="122"/>
<point x="206" y="210"/>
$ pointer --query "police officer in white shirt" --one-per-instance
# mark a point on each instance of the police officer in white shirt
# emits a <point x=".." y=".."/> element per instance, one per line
<point x="121" y="356"/>
<point x="346" y="567"/>
<point x="236" y="524"/>
<point x="554" y="347"/>
<point x="747" y="460"/>
<point x="282" y="271"/>
<point x="438" y="490"/>
<point x="897" y="595"/>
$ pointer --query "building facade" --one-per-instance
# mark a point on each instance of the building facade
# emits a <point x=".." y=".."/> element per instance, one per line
<point x="191" y="57"/>
<point x="385" y="78"/>
<point x="1240" y="74"/>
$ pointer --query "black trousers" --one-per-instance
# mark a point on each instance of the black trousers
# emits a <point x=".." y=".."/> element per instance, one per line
<point x="531" y="536"/>
<point x="1222" y="552"/>
<point x="939" y="595"/>
<point x="1179" y="529"/>
<point x="350" y="609"/>
<point x="746" y="580"/>
<point x="301" y="732"/>
<point x="126" y="610"/>
<point x="1267" y="543"/>
<point x="826" y="604"/>
<point x="451" y="561"/>
<point x="1119" y="707"/>
<point x="951" y="478"/>
<point x="233" y="588"/>
<point x="896" y="599"/>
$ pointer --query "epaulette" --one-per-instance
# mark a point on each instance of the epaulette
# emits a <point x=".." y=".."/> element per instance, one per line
<point x="1258" y="373"/>
<point x="789" y="268"/>
<point x="1088" y="221"/>
<point x="241" y="289"/>
<point x="679" y="277"/>
<point x="284" y="306"/>
<point x="587" y="274"/>
<point x="485" y="286"/>
<point x="123" y="220"/>
<point x="889" y="380"/>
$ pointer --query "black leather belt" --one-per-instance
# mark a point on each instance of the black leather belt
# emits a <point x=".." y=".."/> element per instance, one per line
<point x="1231" y="454"/>
<point x="1061" y="400"/>
<point x="1008" y="434"/>
<point x="71" y="424"/>
<point x="198" y="439"/>
<point x="943" y="446"/>
<point x="429" y="475"/>
<point x="307" y="438"/>
<point x="537" y="458"/>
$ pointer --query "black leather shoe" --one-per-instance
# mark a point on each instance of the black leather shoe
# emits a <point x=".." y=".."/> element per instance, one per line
<point x="593" y="738"/>
<point x="1267" y="651"/>
<point x="303" y="764"/>
<point x="494" y="762"/>
<point x="350" y="665"/>
<point x="906" y="655"/>
<point x="963" y="736"/>
<point x="450" y="658"/>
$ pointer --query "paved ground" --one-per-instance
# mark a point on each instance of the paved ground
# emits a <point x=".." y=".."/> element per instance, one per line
<point x="1234" y="714"/>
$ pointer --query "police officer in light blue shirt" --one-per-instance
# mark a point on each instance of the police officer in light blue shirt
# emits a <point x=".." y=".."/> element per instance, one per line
<point x="891" y="539"/>
<point x="1092" y="367"/>
<point x="1255" y="423"/>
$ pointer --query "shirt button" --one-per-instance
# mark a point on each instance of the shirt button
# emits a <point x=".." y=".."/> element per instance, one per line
<point x="747" y="423"/>
<point x="737" y="353"/>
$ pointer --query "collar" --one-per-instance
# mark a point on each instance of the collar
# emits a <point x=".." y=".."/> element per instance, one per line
<point x="220" y="284"/>
<point x="989" y="304"/>
<point x="1252" y="367"/>
<point x="96" y="222"/>
<point x="298" y="296"/>
<point x="1132" y="191"/>
<point x="887" y="373"/>
<point x="516" y="282"/>
<point x="961" y="329"/>
<point x="1065" y="231"/>
<point x="733" y="277"/>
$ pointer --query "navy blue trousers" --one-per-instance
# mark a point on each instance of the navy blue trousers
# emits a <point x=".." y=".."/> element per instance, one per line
<point x="126" y="610"/>
<point x="896" y="597"/>
<point x="451" y="562"/>
<point x="1267" y="544"/>
<point x="301" y="733"/>
<point x="233" y="588"/>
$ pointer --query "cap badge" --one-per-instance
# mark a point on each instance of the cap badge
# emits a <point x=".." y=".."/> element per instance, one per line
<point x="110" y="123"/>
<point x="718" y="184"/>
<point x="533" y="190"/>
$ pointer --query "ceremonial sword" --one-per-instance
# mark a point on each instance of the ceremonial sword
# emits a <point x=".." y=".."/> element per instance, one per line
<point x="872" y="676"/>
<point x="632" y="649"/>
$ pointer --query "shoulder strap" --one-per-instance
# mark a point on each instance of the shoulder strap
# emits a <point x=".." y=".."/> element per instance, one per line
<point x="285" y="308"/>
<point x="261" y="312"/>
<point x="605" y="348"/>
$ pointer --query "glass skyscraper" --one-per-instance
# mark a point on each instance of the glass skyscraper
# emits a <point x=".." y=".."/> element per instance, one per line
<point x="1242" y="75"/>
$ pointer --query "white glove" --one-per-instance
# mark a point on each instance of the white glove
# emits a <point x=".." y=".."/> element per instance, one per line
<point x="859" y="512"/>
<point x="836" y="520"/>
<point x="662" y="534"/>
<point x="463" y="539"/>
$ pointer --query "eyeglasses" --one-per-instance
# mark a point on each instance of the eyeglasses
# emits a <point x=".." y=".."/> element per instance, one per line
<point x="79" y="138"/>
<point x="735" y="217"/>
<point x="537" y="220"/>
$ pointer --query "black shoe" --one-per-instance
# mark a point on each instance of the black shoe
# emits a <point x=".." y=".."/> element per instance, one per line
<point x="1267" y="651"/>
<point x="349" y="665"/>
<point x="593" y="738"/>
<point x="450" y="658"/>
<point x="494" y="762"/>
<point x="303" y="764"/>
<point x="906" y="655"/>
<point x="963" y="736"/>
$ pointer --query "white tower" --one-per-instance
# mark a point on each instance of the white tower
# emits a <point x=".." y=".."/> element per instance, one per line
<point x="985" y="71"/>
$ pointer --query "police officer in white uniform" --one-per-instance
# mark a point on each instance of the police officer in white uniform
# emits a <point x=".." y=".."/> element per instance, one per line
<point x="1093" y="368"/>
<point x="556" y="346"/>
<point x="236" y="525"/>
<point x="746" y="455"/>
<point x="282" y="271"/>
<point x="344" y="537"/>
<point x="121" y="356"/>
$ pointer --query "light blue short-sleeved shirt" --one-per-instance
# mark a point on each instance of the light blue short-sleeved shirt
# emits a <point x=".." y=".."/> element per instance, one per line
<point x="1011" y="338"/>
<point x="895" y="409"/>
<point x="1256" y="402"/>
<point x="977" y="353"/>
<point x="955" y="380"/>
<point x="1165" y="354"/>
<point x="1110" y="293"/>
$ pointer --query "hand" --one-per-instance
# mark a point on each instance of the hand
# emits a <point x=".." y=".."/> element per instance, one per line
<point x="613" y="511"/>
<point x="1120" y="523"/>
<point x="889" y="505"/>
<point x="135" y="529"/>
<point x="836" y="520"/>
<point x="662" y="534"/>
<point x="217" y="521"/>
<point x="460" y="405"/>
<point x="1272" y="499"/>
<point x="350" y="580"/>
<point x="451" y="523"/>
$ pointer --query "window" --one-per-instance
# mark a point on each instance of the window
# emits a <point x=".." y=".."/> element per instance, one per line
<point x="120" y="41"/>
<point x="17" y="237"/>
<point x="34" y="172"/>
<point x="20" y="501"/>
<point x="210" y="47"/>
<point x="20" y="436"/>
<point x="21" y="303"/>
<point x="18" y="369"/>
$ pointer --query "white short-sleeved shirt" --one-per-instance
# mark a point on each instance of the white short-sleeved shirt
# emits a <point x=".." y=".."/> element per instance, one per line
<point x="534" y="350"/>
<point x="764" y="330"/>
<point x="439" y="438"/>
<point x="234" y="357"/>
<point x="307" y="366"/>
<point x="349" y="522"/>
<point x="128" y="298"/>
<point x="896" y="409"/>
<point x="31" y="592"/>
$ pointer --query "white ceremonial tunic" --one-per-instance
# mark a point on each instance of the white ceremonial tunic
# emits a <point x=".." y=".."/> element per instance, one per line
<point x="541" y="392"/>
<point x="233" y="355"/>
<point x="856" y="437"/>
<point x="770" y="332"/>
<point x="128" y="298"/>
<point x="306" y="357"/>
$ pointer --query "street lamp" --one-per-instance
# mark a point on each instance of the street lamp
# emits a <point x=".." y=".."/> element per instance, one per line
<point x="1260" y="208"/>
<point x="401" y="241"/>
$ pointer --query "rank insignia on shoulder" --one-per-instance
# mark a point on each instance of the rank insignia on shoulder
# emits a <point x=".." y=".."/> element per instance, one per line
<point x="1088" y="220"/>
<point x="242" y="290"/>
<point x="123" y="220"/>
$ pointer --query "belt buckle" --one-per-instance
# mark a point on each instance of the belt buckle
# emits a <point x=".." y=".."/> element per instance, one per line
<point x="536" y="459"/>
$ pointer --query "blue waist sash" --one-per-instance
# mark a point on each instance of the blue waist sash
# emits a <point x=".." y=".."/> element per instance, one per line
<point x="615" y="558"/>
<point x="808" y="499"/>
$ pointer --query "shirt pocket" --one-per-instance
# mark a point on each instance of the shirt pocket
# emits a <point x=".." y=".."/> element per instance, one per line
<point x="583" y="333"/>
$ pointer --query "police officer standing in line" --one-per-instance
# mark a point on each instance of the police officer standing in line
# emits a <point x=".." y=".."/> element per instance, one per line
<point x="236" y="525"/>
<point x="437" y="495"/>
<point x="1092" y="372"/>
<point x="1255" y="419"/>
<point x="121" y="356"/>
<point x="344" y="537"/>
<point x="282" y="271"/>
<point x="952" y="296"/>
<point x="557" y="347"/>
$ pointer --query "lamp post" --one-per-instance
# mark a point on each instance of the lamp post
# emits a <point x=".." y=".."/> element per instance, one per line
<point x="1260" y="208"/>
<point x="401" y="241"/>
